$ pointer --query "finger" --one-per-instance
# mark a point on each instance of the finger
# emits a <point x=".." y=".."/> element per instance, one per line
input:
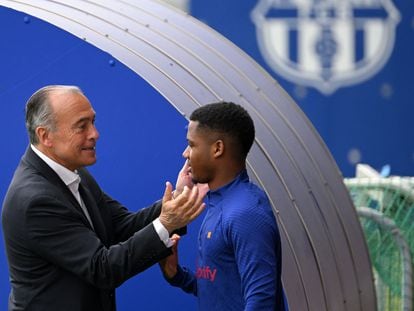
<point x="184" y="170"/>
<point x="192" y="206"/>
<point x="183" y="197"/>
<point x="203" y="189"/>
<point x="175" y="237"/>
<point x="184" y="179"/>
<point x="186" y="166"/>
<point x="167" y="193"/>
<point x="197" y="195"/>
<point x="174" y="246"/>
<point x="197" y="201"/>
<point x="192" y="198"/>
<point x="197" y="210"/>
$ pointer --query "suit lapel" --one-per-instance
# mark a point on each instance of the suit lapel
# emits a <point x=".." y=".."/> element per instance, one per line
<point x="32" y="159"/>
<point x="93" y="212"/>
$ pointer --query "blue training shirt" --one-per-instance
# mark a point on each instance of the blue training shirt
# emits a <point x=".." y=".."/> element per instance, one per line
<point x="239" y="252"/>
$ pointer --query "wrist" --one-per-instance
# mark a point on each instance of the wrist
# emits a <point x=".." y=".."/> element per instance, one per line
<point x="170" y="272"/>
<point x="162" y="232"/>
<point x="166" y="225"/>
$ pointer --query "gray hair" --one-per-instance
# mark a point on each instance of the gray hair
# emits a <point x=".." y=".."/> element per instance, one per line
<point x="39" y="110"/>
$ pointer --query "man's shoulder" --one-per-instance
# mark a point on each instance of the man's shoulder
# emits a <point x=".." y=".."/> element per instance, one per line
<point x="247" y="192"/>
<point x="27" y="184"/>
<point x="244" y="200"/>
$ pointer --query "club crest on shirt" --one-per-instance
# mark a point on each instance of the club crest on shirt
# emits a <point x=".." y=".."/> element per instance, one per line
<point x="326" y="44"/>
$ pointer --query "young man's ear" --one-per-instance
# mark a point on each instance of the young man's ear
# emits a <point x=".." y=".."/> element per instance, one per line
<point x="218" y="148"/>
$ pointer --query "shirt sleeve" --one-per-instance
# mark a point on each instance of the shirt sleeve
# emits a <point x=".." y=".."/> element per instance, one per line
<point x="184" y="279"/>
<point x="162" y="233"/>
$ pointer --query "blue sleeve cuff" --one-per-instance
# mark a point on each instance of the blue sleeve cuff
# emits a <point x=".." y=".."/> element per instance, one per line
<point x="184" y="279"/>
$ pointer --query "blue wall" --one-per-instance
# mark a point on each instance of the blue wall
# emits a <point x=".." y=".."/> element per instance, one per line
<point x="141" y="135"/>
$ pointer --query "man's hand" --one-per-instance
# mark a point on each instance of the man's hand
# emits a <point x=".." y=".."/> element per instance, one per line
<point x="169" y="265"/>
<point x="183" y="179"/>
<point x="177" y="213"/>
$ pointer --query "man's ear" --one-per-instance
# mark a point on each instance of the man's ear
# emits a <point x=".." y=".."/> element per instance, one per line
<point x="43" y="135"/>
<point x="218" y="148"/>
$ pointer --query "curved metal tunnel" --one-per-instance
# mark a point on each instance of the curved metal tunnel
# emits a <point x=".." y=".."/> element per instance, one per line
<point x="326" y="262"/>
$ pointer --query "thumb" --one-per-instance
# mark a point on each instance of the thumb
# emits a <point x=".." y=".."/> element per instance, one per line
<point x="185" y="167"/>
<point x="175" y="239"/>
<point x="167" y="193"/>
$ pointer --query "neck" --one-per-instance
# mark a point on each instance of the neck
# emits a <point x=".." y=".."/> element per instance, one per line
<point x="51" y="156"/>
<point x="46" y="152"/>
<point x="225" y="174"/>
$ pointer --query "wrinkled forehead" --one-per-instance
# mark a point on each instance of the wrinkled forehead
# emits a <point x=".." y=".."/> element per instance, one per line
<point x="69" y="104"/>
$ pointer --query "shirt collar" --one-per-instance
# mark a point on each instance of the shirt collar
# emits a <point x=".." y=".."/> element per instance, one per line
<point x="216" y="195"/>
<point x="67" y="176"/>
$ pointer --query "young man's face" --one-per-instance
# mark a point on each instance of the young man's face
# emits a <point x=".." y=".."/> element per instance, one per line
<point x="199" y="154"/>
<point x="72" y="143"/>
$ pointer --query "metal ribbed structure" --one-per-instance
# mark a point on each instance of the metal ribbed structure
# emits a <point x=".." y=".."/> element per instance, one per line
<point x="326" y="263"/>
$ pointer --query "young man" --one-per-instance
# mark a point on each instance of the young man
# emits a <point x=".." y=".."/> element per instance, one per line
<point x="69" y="245"/>
<point x="239" y="259"/>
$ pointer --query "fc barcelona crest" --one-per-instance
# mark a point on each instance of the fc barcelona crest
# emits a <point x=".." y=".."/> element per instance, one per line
<point x="326" y="44"/>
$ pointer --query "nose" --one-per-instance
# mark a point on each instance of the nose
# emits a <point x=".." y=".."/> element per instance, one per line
<point x="186" y="152"/>
<point x="94" y="134"/>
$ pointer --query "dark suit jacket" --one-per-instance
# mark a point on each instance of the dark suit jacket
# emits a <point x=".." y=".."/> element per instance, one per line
<point x="56" y="260"/>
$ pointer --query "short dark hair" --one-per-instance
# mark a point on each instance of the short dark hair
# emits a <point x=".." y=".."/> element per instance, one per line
<point x="228" y="118"/>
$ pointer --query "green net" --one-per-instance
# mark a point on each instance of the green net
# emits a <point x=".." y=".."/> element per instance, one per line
<point x="392" y="198"/>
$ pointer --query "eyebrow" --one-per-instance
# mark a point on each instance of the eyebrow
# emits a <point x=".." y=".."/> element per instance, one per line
<point x="84" y="119"/>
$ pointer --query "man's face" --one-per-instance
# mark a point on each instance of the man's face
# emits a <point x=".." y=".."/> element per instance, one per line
<point x="72" y="143"/>
<point x="199" y="154"/>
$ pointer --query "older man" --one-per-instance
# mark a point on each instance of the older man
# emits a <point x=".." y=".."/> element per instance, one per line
<point x="69" y="244"/>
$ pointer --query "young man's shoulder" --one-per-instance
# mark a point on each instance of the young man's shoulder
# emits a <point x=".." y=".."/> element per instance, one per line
<point x="244" y="200"/>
